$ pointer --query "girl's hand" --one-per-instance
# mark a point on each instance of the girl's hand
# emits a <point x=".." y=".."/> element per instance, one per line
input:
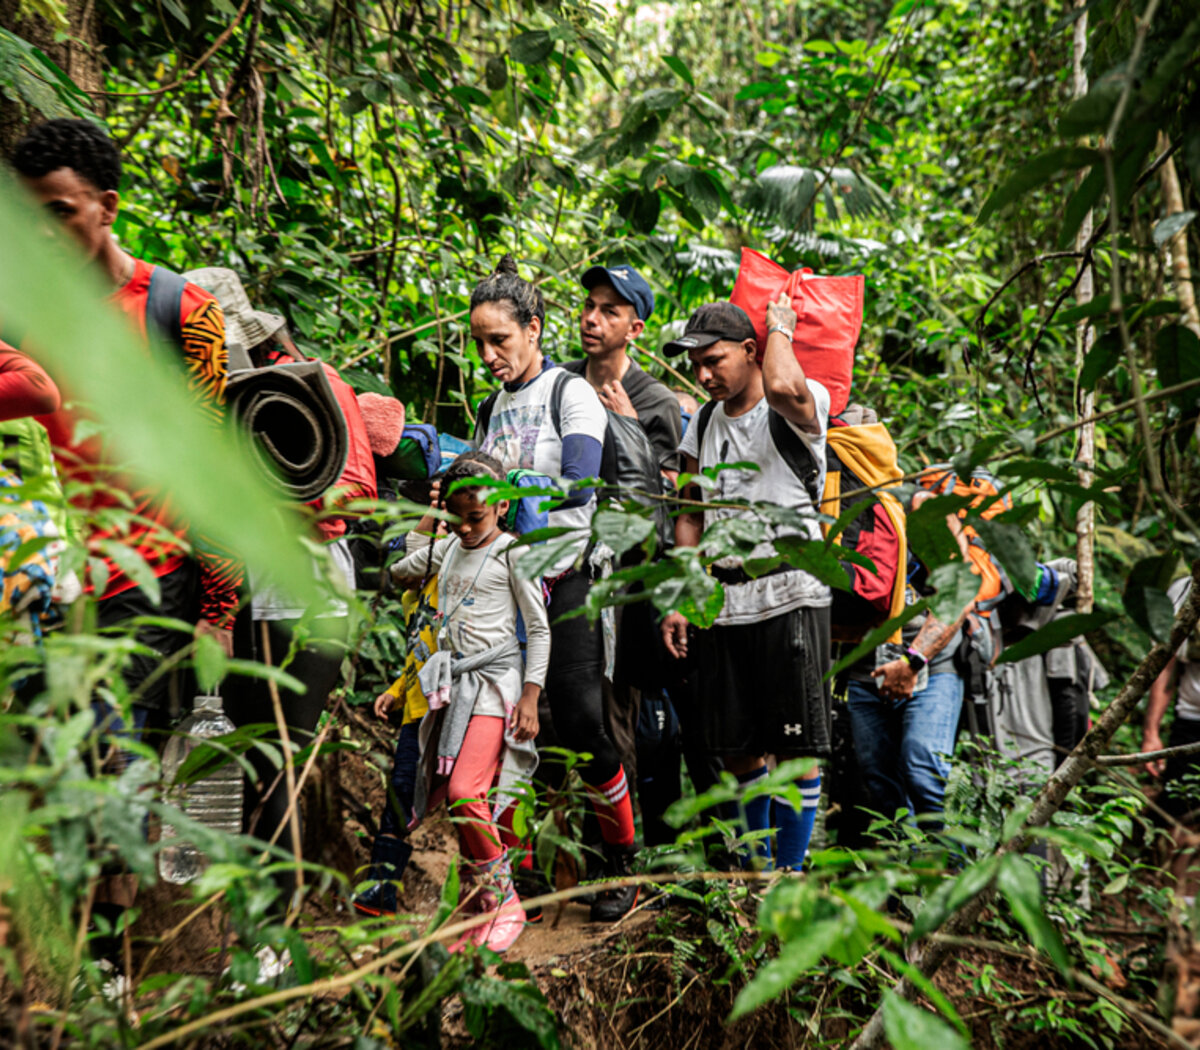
<point x="383" y="704"/>
<point x="524" y="723"/>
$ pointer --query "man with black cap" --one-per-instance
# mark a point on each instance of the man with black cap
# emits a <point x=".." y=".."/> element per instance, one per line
<point x="614" y="314"/>
<point x="759" y="671"/>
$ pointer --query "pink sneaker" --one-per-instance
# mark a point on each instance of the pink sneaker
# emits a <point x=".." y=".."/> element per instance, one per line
<point x="502" y="932"/>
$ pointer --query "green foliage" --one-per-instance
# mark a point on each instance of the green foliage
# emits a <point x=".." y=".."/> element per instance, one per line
<point x="363" y="169"/>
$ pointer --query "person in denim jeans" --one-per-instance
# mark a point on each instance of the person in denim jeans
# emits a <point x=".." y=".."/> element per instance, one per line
<point x="904" y="743"/>
<point x="904" y="702"/>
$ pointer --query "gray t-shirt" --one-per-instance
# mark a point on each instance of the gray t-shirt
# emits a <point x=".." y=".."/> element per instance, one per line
<point x="1187" y="699"/>
<point x="747" y="439"/>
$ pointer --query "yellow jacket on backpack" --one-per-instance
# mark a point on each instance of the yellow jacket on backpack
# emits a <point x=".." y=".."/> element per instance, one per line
<point x="863" y="456"/>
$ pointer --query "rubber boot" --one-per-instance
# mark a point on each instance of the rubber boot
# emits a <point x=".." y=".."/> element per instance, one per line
<point x="389" y="858"/>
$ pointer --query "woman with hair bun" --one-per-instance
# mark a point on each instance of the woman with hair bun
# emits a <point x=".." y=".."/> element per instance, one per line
<point x="548" y="420"/>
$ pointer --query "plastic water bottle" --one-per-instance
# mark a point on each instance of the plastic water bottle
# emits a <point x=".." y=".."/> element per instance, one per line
<point x="215" y="801"/>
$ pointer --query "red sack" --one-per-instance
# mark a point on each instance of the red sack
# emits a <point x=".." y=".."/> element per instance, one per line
<point x="829" y="312"/>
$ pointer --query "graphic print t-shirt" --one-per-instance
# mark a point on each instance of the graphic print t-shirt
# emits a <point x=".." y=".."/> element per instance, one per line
<point x="747" y="439"/>
<point x="521" y="434"/>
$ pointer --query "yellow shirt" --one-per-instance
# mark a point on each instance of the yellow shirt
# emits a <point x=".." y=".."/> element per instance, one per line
<point x="407" y="687"/>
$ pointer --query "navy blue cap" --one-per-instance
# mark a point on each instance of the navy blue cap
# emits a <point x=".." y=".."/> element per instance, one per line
<point x="629" y="284"/>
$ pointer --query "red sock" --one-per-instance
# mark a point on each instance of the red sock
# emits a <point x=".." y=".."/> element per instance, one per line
<point x="614" y="810"/>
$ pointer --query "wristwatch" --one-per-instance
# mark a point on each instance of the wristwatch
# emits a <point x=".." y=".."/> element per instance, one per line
<point x="916" y="660"/>
<point x="780" y="328"/>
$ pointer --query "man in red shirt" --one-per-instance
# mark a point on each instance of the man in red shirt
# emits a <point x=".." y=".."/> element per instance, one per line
<point x="73" y="169"/>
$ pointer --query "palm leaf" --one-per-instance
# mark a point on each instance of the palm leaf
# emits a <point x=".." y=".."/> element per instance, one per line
<point x="785" y="192"/>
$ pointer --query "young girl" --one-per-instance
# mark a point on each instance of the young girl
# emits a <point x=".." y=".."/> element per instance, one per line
<point x="483" y="701"/>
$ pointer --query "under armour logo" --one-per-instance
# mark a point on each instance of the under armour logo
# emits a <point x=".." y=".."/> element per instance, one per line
<point x="793" y="729"/>
<point x="623" y="274"/>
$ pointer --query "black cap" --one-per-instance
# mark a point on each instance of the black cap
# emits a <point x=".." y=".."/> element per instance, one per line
<point x="628" y="284"/>
<point x="709" y="324"/>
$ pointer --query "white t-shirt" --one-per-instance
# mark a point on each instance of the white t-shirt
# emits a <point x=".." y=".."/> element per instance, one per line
<point x="1187" y="698"/>
<point x="479" y="594"/>
<point x="270" y="602"/>
<point x="747" y="438"/>
<point x="521" y="434"/>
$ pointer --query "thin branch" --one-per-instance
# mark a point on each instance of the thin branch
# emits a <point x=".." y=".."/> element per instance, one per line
<point x="692" y="386"/>
<point x="292" y="816"/>
<point x="1148" y="756"/>
<point x="192" y="70"/>
<point x="1048" y="801"/>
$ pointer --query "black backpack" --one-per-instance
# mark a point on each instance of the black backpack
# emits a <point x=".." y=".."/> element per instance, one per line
<point x="790" y="446"/>
<point x="628" y="465"/>
<point x="163" y="303"/>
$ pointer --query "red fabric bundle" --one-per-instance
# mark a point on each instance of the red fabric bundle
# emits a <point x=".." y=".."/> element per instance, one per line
<point x="829" y="312"/>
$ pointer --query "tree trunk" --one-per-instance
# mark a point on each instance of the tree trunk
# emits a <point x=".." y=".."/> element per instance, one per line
<point x="78" y="55"/>
<point x="1177" y="252"/>
<point x="1085" y="400"/>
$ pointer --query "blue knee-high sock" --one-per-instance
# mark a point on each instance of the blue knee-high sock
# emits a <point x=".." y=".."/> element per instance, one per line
<point x="756" y="816"/>
<point x="795" y="829"/>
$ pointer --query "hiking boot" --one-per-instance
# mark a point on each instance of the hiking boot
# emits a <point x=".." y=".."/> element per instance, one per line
<point x="613" y="904"/>
<point x="389" y="858"/>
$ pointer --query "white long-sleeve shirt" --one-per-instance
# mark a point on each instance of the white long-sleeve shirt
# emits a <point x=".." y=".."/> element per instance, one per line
<point x="479" y="594"/>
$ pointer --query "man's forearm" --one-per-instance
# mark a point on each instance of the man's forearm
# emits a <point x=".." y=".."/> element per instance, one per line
<point x="784" y="382"/>
<point x="1159" y="700"/>
<point x="934" y="635"/>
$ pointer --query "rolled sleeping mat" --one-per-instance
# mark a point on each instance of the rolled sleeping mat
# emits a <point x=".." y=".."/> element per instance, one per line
<point x="300" y="438"/>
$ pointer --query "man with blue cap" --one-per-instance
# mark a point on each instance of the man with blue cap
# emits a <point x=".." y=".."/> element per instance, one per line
<point x="614" y="314"/>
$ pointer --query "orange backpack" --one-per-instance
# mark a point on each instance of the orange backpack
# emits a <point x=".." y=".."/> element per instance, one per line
<point x="987" y="494"/>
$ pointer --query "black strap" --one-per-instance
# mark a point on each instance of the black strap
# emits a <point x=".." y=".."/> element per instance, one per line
<point x="739" y="575"/>
<point x="796" y="454"/>
<point x="556" y="397"/>
<point x="701" y="424"/>
<point x="791" y="447"/>
<point x="164" y="302"/>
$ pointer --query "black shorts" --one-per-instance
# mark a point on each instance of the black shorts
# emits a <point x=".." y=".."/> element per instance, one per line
<point x="761" y="689"/>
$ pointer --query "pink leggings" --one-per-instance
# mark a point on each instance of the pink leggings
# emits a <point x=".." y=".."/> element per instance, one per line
<point x="470" y="781"/>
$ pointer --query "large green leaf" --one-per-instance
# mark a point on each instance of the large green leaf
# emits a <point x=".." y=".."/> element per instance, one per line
<point x="795" y="958"/>
<point x="531" y="48"/>
<point x="1036" y="173"/>
<point x="1009" y="546"/>
<point x="156" y="430"/>
<point x="908" y="1027"/>
<point x="1057" y="632"/>
<point x="1019" y="884"/>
